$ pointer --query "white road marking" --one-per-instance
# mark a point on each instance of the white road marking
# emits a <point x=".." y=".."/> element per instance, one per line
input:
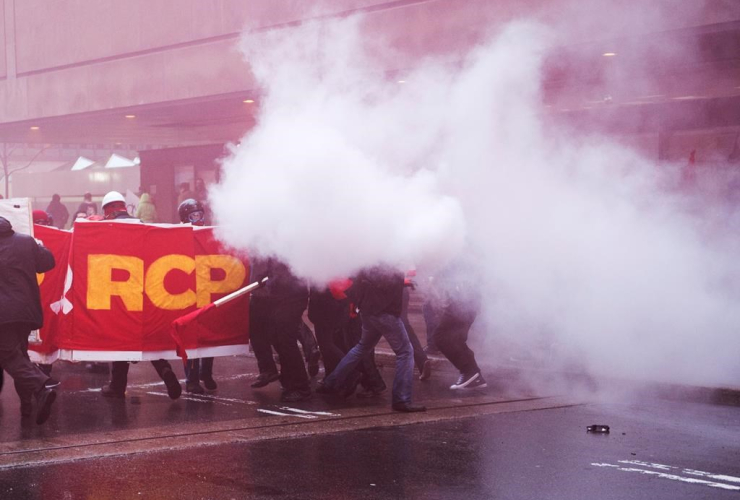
<point x="322" y="413"/>
<point x="182" y="381"/>
<point x="187" y="398"/>
<point x="720" y="477"/>
<point x="272" y="412"/>
<point x="647" y="464"/>
<point x="675" y="477"/>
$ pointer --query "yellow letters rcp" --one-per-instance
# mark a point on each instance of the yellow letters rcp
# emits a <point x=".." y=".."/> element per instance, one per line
<point x="101" y="287"/>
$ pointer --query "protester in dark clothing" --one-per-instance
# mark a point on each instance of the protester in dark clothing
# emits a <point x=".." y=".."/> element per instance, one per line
<point x="420" y="357"/>
<point x="88" y="206"/>
<point x="458" y="297"/>
<point x="339" y="329"/>
<point x="275" y="315"/>
<point x="21" y="257"/>
<point x="58" y="212"/>
<point x="378" y="294"/>
<point x="191" y="212"/>
<point x="328" y="317"/>
<point x="114" y="207"/>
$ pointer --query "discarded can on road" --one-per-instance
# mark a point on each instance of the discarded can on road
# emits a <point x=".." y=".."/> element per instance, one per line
<point x="598" y="429"/>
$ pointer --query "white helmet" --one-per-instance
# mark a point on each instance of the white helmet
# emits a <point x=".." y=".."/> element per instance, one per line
<point x="111" y="197"/>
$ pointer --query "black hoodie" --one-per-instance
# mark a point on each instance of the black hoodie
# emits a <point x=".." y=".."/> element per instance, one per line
<point x="20" y="259"/>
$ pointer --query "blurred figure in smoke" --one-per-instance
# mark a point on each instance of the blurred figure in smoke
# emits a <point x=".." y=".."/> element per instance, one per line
<point x="21" y="258"/>
<point x="275" y="316"/>
<point x="378" y="293"/>
<point x="185" y="193"/>
<point x="191" y="212"/>
<point x="146" y="211"/>
<point x="58" y="211"/>
<point x="114" y="207"/>
<point x="458" y="303"/>
<point x="88" y="206"/>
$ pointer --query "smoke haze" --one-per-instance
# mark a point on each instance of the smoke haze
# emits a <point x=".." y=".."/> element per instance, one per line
<point x="583" y="251"/>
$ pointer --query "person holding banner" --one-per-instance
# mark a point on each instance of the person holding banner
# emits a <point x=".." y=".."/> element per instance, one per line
<point x="114" y="207"/>
<point x="192" y="212"/>
<point x="21" y="257"/>
<point x="275" y="315"/>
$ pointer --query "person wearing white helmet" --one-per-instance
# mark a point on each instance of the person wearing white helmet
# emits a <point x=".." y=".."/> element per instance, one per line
<point x="114" y="207"/>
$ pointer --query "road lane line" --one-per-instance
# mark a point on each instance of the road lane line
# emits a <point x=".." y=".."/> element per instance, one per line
<point x="664" y="475"/>
<point x="272" y="412"/>
<point x="321" y="413"/>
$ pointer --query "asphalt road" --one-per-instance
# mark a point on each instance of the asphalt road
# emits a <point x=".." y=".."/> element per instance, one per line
<point x="237" y="443"/>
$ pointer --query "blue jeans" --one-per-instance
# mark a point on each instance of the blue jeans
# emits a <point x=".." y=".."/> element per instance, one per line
<point x="373" y="328"/>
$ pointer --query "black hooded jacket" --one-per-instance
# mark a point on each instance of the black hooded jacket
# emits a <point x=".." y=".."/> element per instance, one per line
<point x="20" y="259"/>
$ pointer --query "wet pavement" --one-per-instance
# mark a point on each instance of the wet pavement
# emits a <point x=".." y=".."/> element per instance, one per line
<point x="507" y="441"/>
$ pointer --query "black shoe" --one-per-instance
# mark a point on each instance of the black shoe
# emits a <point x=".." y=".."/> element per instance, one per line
<point x="408" y="407"/>
<point x="295" y="396"/>
<point x="194" y="388"/>
<point x="108" y="392"/>
<point x="52" y="382"/>
<point x="426" y="370"/>
<point x="174" y="389"/>
<point x="26" y="408"/>
<point x="313" y="363"/>
<point x="265" y="378"/>
<point x="371" y="392"/>
<point x="44" y="399"/>
<point x="469" y="381"/>
<point x="322" y="388"/>
<point x="209" y="382"/>
<point x="350" y="386"/>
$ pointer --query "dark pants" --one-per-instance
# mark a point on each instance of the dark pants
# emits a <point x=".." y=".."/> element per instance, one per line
<point x="451" y="337"/>
<point x="119" y="373"/>
<point x="431" y="318"/>
<point x="330" y="336"/>
<point x="27" y="377"/>
<point x="276" y="323"/>
<point x="420" y="357"/>
<point x="198" y="369"/>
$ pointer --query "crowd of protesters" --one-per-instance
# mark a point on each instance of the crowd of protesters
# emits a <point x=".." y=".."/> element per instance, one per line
<point x="350" y="316"/>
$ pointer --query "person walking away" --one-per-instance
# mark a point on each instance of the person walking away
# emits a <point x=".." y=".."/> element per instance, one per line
<point x="459" y="302"/>
<point x="58" y="212"/>
<point x="114" y="207"/>
<point x="146" y="211"/>
<point x="21" y="258"/>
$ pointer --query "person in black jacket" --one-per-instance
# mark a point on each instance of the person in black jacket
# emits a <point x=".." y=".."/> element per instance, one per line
<point x="378" y="293"/>
<point x="114" y="207"/>
<point x="275" y="316"/>
<point x="58" y="212"/>
<point x="21" y="257"/>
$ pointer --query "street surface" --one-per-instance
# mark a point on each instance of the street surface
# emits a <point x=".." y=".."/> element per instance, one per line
<point x="241" y="443"/>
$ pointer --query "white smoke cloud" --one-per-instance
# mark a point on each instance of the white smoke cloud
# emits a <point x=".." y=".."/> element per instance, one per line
<point x="582" y="251"/>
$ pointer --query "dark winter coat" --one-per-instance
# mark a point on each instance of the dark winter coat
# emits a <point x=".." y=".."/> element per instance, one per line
<point x="59" y="213"/>
<point x="20" y="259"/>
<point x="378" y="291"/>
<point x="282" y="287"/>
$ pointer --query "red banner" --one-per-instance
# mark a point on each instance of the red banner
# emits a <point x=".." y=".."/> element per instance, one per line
<point x="118" y="286"/>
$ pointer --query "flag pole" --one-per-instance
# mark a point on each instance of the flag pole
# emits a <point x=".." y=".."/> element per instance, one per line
<point x="240" y="292"/>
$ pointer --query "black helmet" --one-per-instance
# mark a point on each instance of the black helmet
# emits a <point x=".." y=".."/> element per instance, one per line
<point x="191" y="212"/>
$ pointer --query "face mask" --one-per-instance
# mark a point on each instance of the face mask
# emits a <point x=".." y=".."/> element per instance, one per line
<point x="195" y="217"/>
